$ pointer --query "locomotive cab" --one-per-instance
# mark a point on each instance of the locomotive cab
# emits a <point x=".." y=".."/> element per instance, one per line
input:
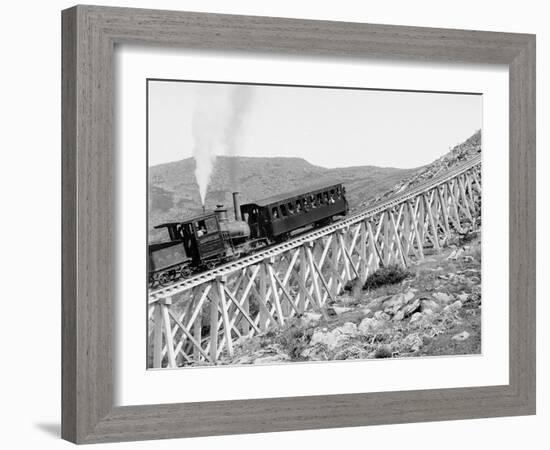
<point x="201" y="237"/>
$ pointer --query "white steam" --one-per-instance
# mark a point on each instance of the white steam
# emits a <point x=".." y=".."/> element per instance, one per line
<point x="217" y="123"/>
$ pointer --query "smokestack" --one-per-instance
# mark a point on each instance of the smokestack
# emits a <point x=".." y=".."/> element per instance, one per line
<point x="237" y="206"/>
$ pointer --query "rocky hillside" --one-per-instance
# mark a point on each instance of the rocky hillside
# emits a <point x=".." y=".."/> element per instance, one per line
<point x="435" y="310"/>
<point x="174" y="193"/>
<point x="460" y="153"/>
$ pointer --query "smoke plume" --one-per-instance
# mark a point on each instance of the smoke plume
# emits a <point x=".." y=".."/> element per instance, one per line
<point x="217" y="124"/>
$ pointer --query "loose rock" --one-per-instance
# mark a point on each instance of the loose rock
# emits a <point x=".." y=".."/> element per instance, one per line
<point x="311" y="317"/>
<point x="393" y="305"/>
<point x="429" y="304"/>
<point x="453" y="307"/>
<point x="461" y="336"/>
<point x="411" y="308"/>
<point x="442" y="297"/>
<point x="330" y="339"/>
<point x="381" y="315"/>
<point x="339" y="310"/>
<point x="412" y="342"/>
<point x="348" y="328"/>
<point x="370" y="325"/>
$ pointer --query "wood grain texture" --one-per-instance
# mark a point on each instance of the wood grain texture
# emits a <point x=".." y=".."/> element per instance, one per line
<point x="89" y="36"/>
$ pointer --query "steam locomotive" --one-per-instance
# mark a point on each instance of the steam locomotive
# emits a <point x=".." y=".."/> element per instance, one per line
<point x="211" y="239"/>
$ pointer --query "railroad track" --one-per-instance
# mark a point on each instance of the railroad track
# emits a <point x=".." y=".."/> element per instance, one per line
<point x="203" y="277"/>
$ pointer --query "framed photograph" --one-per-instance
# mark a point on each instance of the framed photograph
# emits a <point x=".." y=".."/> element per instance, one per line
<point x="278" y="224"/>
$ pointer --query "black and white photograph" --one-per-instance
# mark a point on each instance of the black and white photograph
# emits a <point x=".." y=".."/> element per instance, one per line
<point x="295" y="224"/>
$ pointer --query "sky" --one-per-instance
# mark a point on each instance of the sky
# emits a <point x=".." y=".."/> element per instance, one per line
<point x="327" y="127"/>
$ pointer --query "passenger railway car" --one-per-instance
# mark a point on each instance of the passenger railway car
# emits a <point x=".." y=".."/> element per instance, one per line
<point x="276" y="217"/>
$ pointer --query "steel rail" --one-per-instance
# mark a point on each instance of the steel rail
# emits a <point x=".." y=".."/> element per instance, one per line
<point x="224" y="269"/>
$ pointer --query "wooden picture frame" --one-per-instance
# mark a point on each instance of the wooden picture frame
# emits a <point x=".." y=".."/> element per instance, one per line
<point x="89" y="37"/>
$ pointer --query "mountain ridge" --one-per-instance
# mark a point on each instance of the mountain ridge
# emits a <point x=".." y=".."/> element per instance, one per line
<point x="174" y="192"/>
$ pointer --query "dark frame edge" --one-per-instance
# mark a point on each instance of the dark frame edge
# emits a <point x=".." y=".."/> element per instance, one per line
<point x="522" y="193"/>
<point x="89" y="34"/>
<point x="68" y="223"/>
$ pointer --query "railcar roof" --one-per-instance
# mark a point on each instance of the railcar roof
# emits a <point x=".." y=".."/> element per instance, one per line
<point x="192" y="219"/>
<point x="295" y="193"/>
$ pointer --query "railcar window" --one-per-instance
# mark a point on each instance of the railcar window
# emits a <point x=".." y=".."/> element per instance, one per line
<point x="299" y="206"/>
<point x="283" y="210"/>
<point x="290" y="208"/>
<point x="211" y="225"/>
<point x="319" y="199"/>
<point x="275" y="213"/>
<point x="200" y="227"/>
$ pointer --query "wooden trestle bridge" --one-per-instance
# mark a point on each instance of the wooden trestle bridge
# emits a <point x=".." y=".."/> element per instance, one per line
<point x="195" y="320"/>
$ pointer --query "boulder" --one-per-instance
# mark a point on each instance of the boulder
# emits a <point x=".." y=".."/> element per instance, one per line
<point x="378" y="301"/>
<point x="381" y="315"/>
<point x="399" y="315"/>
<point x="455" y="254"/>
<point x="393" y="305"/>
<point x="429" y="304"/>
<point x="371" y="325"/>
<point x="348" y="328"/>
<point x="365" y="311"/>
<point x="311" y="318"/>
<point x="412" y="342"/>
<point x="330" y="339"/>
<point x="453" y="307"/>
<point x="461" y="336"/>
<point x="341" y="309"/>
<point x="411" y="307"/>
<point x="442" y="297"/>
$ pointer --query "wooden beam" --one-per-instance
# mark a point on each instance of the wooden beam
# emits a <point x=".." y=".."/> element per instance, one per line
<point x="214" y="327"/>
<point x="418" y="237"/>
<point x="275" y="293"/>
<point x="188" y="334"/>
<point x="404" y="260"/>
<point x="363" y="265"/>
<point x="220" y="283"/>
<point x="429" y="212"/>
<point x="242" y="310"/>
<point x="158" y="330"/>
<point x="168" y="336"/>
